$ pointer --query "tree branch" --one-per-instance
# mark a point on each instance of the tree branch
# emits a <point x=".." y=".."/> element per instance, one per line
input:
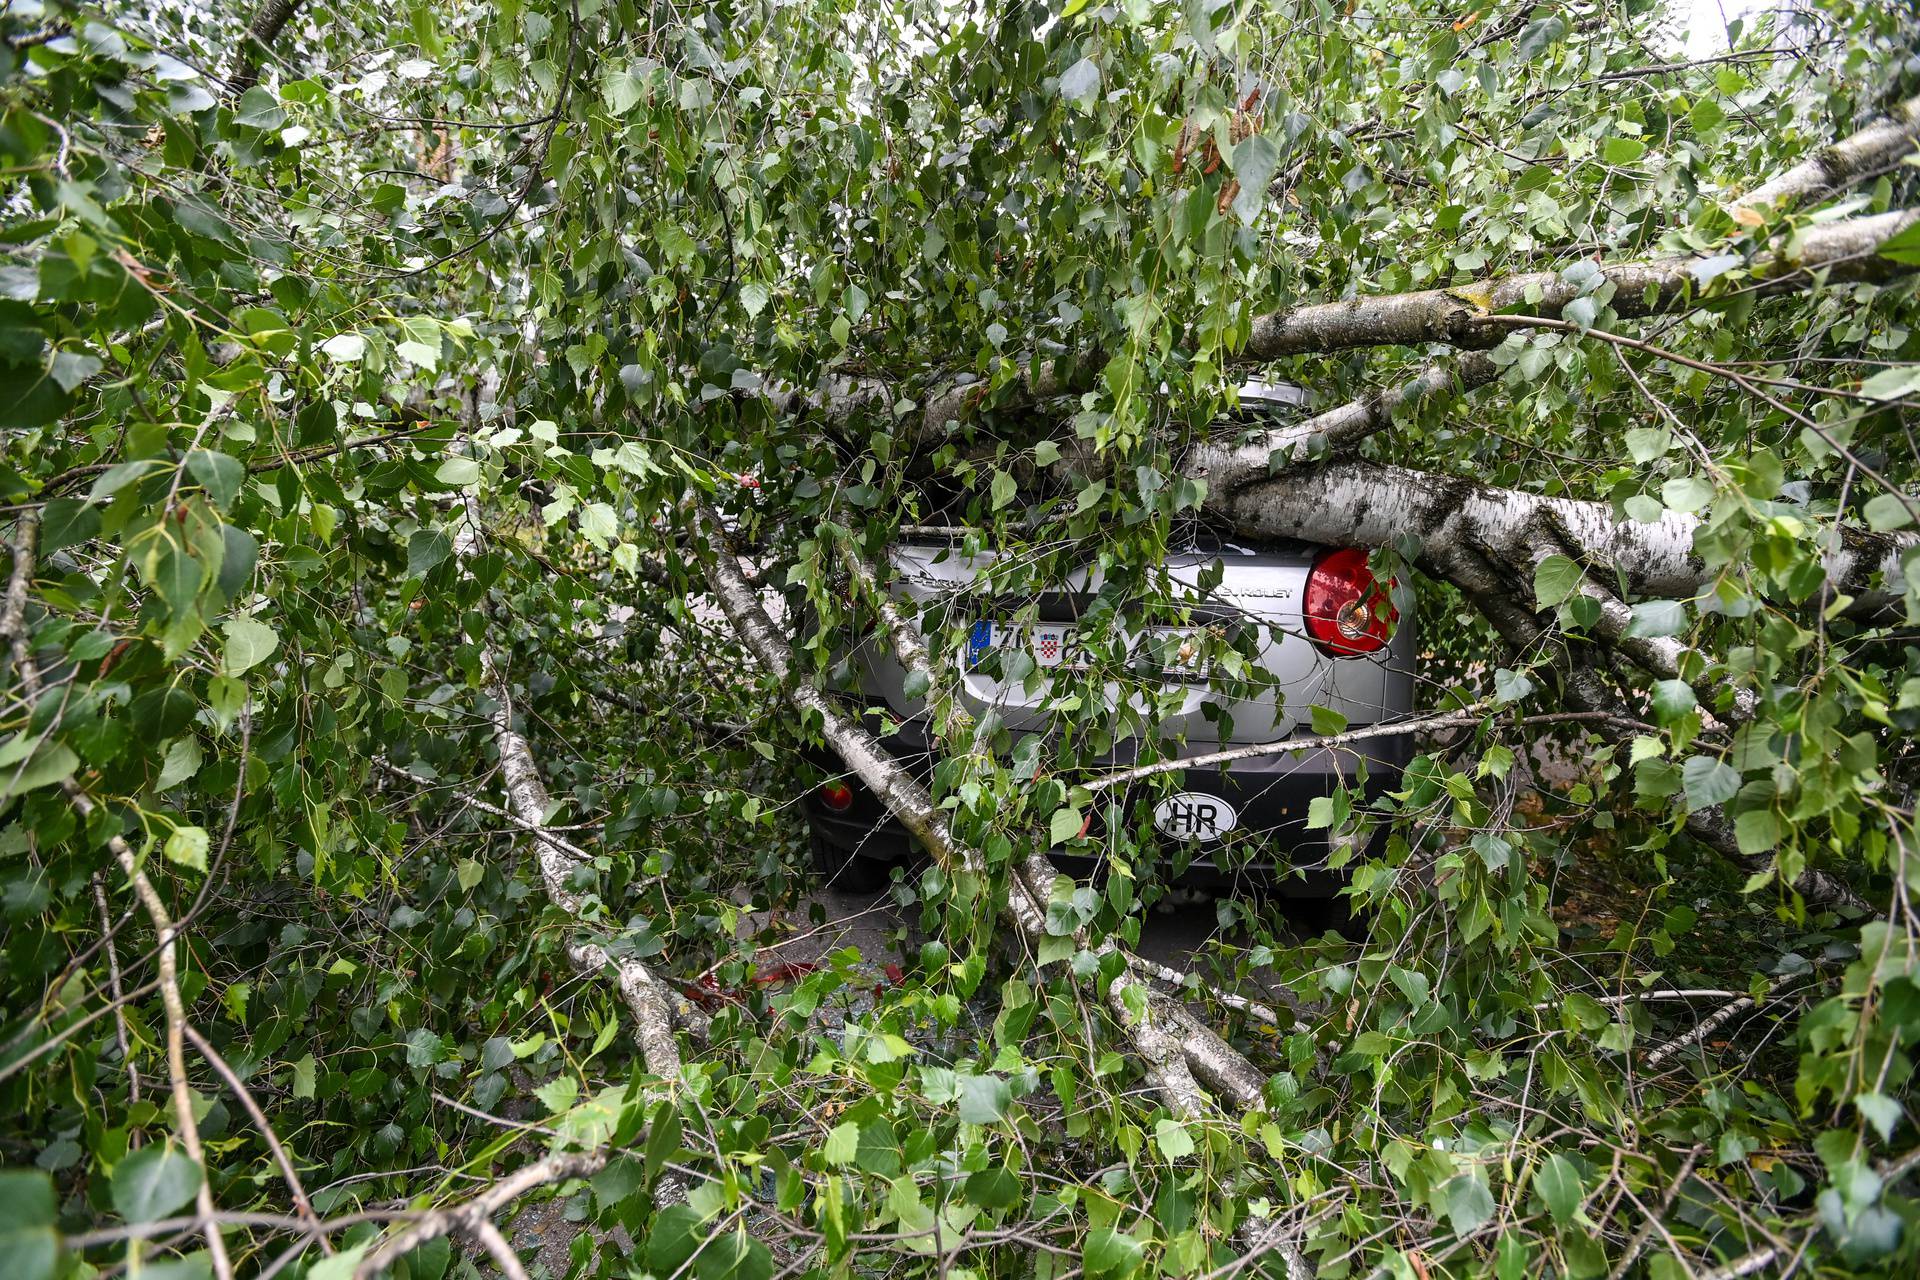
<point x="1371" y="505"/>
<point x="268" y="21"/>
<point x="649" y="999"/>
<point x="1838" y="165"/>
<point x="474" y="1214"/>
<point x="1845" y="250"/>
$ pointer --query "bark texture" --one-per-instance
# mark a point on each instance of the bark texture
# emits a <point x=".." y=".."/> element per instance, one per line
<point x="1846" y="250"/>
<point x="1833" y="168"/>
<point x="1373" y="505"/>
<point x="1338" y="430"/>
<point x="476" y="1213"/>
<point x="650" y="1000"/>
<point x="939" y="408"/>
<point x="269" y="20"/>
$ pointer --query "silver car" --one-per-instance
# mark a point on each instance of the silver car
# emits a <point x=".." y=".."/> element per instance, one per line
<point x="1310" y="627"/>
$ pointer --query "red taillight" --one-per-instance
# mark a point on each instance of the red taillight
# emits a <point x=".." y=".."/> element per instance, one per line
<point x="1348" y="613"/>
<point x="837" y="796"/>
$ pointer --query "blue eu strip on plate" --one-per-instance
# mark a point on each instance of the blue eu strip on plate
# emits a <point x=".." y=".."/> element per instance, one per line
<point x="979" y="640"/>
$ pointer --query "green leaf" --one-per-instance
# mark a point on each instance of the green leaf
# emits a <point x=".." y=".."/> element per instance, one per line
<point x="1708" y="781"/>
<point x="425" y="550"/>
<point x="1079" y="82"/>
<point x="622" y="88"/>
<point x="1757" y="830"/>
<point x="1254" y="161"/>
<point x="995" y="1188"/>
<point x="28" y="1213"/>
<point x="218" y="473"/>
<point x="1622" y="150"/>
<point x="259" y="109"/>
<point x="1687" y="493"/>
<point x="1886" y="512"/>
<point x="1065" y="825"/>
<point x="342" y="1265"/>
<point x="346" y="348"/>
<point x="558" y="1093"/>
<point x="32" y="762"/>
<point x="304" y="1073"/>
<point x="1903" y="248"/>
<point x="1326" y="721"/>
<point x="458" y="472"/>
<point x="1004" y="489"/>
<point x="1469" y="1203"/>
<point x="842" y="1144"/>
<point x="1558" y="1183"/>
<point x="1882" y="1112"/>
<point x="1672" y="699"/>
<point x="1110" y="1253"/>
<point x="1554" y="579"/>
<point x="663" y="1139"/>
<point x="675" y="1233"/>
<point x="984" y="1099"/>
<point x="249" y="643"/>
<point x="1654" y="619"/>
<point x="1892" y="384"/>
<point x="425" y="355"/>
<point x="734" y="1256"/>
<point x="1172" y="1138"/>
<point x="188" y="846"/>
<point x="1510" y="686"/>
<point x="66" y="522"/>
<point x="153" y="1182"/>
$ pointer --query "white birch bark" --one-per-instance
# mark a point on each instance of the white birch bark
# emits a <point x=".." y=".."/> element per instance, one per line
<point x="1877" y="147"/>
<point x="1364" y="504"/>
<point x="648" y="999"/>
<point x="1458" y="316"/>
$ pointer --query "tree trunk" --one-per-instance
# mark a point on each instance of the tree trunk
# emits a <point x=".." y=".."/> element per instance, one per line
<point x="1371" y="505"/>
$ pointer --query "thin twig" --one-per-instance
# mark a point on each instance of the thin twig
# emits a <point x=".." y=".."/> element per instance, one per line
<point x="472" y="1215"/>
<point x="301" y="1204"/>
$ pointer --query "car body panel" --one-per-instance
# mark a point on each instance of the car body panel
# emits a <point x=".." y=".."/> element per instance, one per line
<point x="1268" y="795"/>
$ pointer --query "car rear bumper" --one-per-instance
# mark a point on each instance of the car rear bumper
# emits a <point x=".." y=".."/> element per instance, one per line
<point x="1269" y="796"/>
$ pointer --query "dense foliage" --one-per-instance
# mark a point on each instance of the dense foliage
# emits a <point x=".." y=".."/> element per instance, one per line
<point x="363" y="377"/>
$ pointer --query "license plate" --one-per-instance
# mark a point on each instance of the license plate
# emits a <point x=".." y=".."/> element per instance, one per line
<point x="1176" y="649"/>
<point x="1051" y="646"/>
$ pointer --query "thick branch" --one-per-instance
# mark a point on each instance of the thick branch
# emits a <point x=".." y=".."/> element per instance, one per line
<point x="1339" y="429"/>
<point x="649" y="999"/>
<point x="164" y="930"/>
<point x="268" y="21"/>
<point x="1368" y="505"/>
<point x="1837" y="166"/>
<point x="13" y="610"/>
<point x="1846" y="250"/>
<point x="166" y="936"/>
<point x="941" y="406"/>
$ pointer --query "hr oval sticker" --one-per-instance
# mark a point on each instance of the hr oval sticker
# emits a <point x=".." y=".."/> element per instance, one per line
<point x="1194" y="815"/>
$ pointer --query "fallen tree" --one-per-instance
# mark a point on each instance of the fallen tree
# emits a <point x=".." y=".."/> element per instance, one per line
<point x="386" y="847"/>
